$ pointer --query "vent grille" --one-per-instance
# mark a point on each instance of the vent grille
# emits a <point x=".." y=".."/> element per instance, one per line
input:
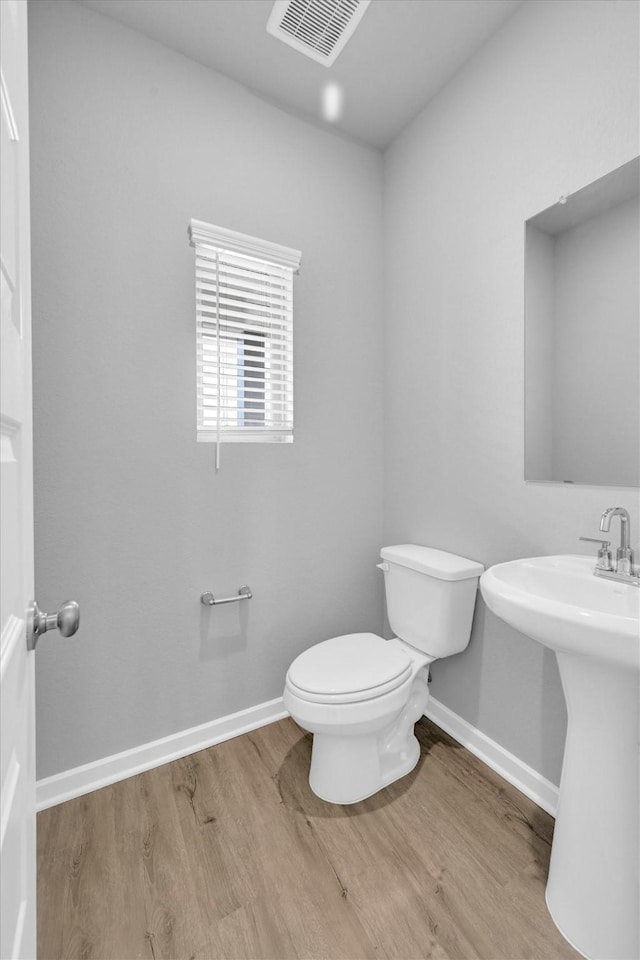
<point x="317" y="28"/>
<point x="319" y="25"/>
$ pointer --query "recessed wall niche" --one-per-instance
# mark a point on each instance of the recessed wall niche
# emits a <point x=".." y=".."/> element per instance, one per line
<point x="582" y="335"/>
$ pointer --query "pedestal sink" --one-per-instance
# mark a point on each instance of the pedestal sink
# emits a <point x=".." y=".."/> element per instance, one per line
<point x="592" y="624"/>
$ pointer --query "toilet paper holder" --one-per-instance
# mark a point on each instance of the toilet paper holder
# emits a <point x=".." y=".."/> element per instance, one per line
<point x="208" y="599"/>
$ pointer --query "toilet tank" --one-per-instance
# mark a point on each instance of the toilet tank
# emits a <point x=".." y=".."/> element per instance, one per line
<point x="430" y="597"/>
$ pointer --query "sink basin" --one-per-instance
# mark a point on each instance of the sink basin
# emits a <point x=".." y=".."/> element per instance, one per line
<point x="593" y="625"/>
<point x="559" y="602"/>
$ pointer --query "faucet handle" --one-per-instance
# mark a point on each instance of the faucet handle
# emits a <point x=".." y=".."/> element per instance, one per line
<point x="604" y="553"/>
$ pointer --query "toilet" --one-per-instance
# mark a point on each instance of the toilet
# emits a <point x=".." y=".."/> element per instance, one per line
<point x="360" y="695"/>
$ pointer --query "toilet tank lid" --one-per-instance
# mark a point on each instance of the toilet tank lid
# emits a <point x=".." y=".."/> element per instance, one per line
<point x="435" y="563"/>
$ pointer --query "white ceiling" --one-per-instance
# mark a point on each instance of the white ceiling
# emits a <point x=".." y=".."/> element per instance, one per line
<point x="401" y="54"/>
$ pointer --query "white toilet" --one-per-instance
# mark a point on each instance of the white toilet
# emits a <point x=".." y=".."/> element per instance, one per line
<point x="361" y="695"/>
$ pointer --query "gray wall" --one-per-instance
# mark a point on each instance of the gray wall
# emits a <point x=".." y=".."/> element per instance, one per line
<point x="549" y="104"/>
<point x="129" y="141"/>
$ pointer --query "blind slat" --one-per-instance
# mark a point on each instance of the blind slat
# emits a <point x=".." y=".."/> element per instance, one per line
<point x="240" y="263"/>
<point x="276" y="349"/>
<point x="249" y="320"/>
<point x="279" y="298"/>
<point x="272" y="354"/>
<point x="233" y="282"/>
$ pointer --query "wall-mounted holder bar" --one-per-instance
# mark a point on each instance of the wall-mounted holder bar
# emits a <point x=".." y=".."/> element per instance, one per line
<point x="208" y="599"/>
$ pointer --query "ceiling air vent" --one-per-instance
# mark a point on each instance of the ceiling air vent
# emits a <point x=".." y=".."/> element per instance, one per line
<point x="317" y="28"/>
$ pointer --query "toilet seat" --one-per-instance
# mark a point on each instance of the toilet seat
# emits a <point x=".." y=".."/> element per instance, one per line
<point x="348" y="669"/>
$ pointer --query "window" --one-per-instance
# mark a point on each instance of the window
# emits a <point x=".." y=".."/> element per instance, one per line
<point x="244" y="334"/>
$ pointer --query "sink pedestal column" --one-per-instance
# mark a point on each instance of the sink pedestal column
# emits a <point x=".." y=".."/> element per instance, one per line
<point x="593" y="892"/>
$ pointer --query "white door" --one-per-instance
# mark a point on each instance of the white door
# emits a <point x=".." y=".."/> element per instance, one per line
<point x="17" y="759"/>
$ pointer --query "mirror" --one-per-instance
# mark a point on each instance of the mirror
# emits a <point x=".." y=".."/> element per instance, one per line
<point x="582" y="335"/>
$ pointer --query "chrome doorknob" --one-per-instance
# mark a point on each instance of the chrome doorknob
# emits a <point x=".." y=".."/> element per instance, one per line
<point x="66" y="620"/>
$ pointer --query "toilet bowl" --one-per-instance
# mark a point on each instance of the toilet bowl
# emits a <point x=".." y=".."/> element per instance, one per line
<point x="360" y="695"/>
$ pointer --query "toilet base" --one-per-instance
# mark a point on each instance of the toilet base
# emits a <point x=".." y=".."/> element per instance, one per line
<point x="349" y="769"/>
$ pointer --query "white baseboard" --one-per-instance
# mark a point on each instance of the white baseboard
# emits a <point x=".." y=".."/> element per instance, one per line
<point x="100" y="773"/>
<point x="522" y="776"/>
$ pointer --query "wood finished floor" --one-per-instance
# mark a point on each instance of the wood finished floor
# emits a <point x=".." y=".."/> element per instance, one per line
<point x="227" y="854"/>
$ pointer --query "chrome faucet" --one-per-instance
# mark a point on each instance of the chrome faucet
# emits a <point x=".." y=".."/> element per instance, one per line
<point x="622" y="569"/>
<point x="624" y="553"/>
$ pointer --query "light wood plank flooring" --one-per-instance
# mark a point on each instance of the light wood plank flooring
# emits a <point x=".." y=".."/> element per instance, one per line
<point x="227" y="854"/>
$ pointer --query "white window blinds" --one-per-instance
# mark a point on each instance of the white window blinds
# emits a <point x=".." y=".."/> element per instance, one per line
<point x="244" y="333"/>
